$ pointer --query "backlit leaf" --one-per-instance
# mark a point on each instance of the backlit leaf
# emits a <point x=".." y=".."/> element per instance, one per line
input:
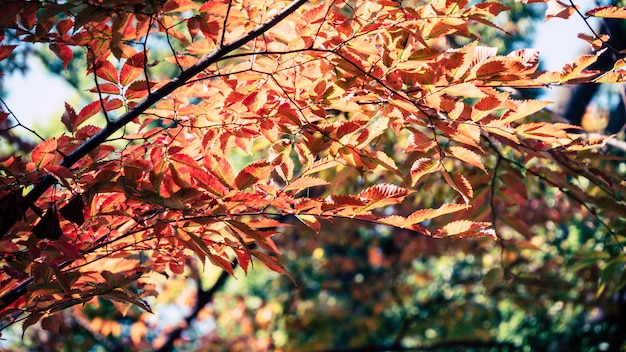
<point x="427" y="214"/>
<point x="423" y="167"/>
<point x="382" y="195"/>
<point x="45" y="154"/>
<point x="86" y="112"/>
<point x="460" y="184"/>
<point x="252" y="174"/>
<point x="465" y="229"/>
<point x="467" y="156"/>
<point x="305" y="182"/>
<point x="607" y="12"/>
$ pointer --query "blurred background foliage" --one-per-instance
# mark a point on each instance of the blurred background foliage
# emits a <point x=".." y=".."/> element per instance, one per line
<point x="554" y="282"/>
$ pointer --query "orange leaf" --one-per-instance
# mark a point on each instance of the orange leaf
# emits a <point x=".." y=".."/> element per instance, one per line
<point x="207" y="181"/>
<point x="559" y="9"/>
<point x="607" y="12"/>
<point x="304" y="182"/>
<point x="44" y="154"/>
<point x="310" y="221"/>
<point x="423" y="167"/>
<point x="467" y="156"/>
<point x="320" y="165"/>
<point x="466" y="229"/>
<point x="460" y="184"/>
<point x="524" y="108"/>
<point x="107" y="71"/>
<point x="426" y="214"/>
<point x="382" y="195"/>
<point x="129" y="73"/>
<point x="420" y="142"/>
<point x="221" y="168"/>
<point x="252" y="174"/>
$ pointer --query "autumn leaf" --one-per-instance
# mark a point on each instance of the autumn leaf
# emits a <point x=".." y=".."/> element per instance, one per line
<point x="460" y="184"/>
<point x="427" y="214"/>
<point x="423" y="166"/>
<point x="6" y="50"/>
<point x="305" y="182"/>
<point x="382" y="195"/>
<point x="465" y="229"/>
<point x="252" y="174"/>
<point x="558" y="9"/>
<point x="45" y="153"/>
<point x="467" y="156"/>
<point x="607" y="12"/>
<point x="107" y="71"/>
<point x="86" y="112"/>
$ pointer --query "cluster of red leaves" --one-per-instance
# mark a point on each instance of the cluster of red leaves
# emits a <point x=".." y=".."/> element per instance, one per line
<point x="211" y="168"/>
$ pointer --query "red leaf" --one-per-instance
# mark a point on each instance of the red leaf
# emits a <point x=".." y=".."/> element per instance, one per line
<point x="113" y="104"/>
<point x="44" y="154"/>
<point x="137" y="90"/>
<point x="207" y="181"/>
<point x="63" y="26"/>
<point x="85" y="113"/>
<point x="107" y="71"/>
<point x="106" y="88"/>
<point x="3" y="116"/>
<point x="177" y="267"/>
<point x="129" y="73"/>
<point x="6" y="50"/>
<point x="69" y="117"/>
<point x="178" y="6"/>
<point x="138" y="60"/>
<point x="252" y="174"/>
<point x="63" y="52"/>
